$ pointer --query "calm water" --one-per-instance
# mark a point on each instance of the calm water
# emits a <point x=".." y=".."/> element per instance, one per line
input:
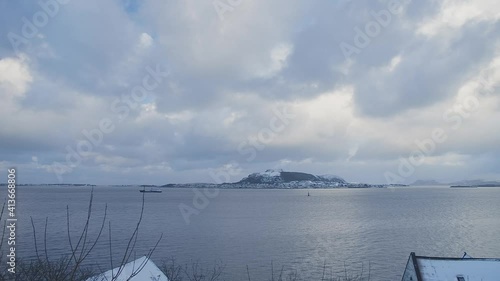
<point x="355" y="228"/>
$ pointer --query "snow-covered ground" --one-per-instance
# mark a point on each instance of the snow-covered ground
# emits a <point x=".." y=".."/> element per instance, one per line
<point x="132" y="272"/>
<point x="470" y="269"/>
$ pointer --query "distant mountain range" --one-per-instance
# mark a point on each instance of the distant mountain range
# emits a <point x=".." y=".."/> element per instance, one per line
<point x="427" y="183"/>
<point x="289" y="180"/>
<point x="477" y="182"/>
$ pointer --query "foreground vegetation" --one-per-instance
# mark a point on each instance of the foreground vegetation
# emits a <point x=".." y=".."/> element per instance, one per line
<point x="59" y="270"/>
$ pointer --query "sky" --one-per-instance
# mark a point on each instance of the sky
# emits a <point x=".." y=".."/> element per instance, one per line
<point x="156" y="92"/>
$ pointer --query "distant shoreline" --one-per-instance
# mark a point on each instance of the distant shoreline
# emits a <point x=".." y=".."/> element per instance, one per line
<point x="252" y="186"/>
<point x="475" y="186"/>
<point x="212" y="185"/>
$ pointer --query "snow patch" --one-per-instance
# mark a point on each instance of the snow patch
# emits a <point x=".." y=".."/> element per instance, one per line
<point x="272" y="173"/>
<point x="150" y="272"/>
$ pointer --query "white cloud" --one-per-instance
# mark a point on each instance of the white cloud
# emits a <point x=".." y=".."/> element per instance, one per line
<point x="395" y="61"/>
<point x="15" y="77"/>
<point x="456" y="13"/>
<point x="145" y="40"/>
<point x="277" y="61"/>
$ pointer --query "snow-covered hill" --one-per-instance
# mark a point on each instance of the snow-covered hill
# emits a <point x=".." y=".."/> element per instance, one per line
<point x="282" y="179"/>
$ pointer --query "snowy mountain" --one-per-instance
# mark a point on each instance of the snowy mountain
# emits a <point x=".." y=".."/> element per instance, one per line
<point x="331" y="178"/>
<point x="285" y="180"/>
<point x="427" y="183"/>
<point x="280" y="176"/>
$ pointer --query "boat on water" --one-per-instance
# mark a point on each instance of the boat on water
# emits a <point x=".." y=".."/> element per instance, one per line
<point x="151" y="190"/>
<point x="464" y="186"/>
<point x="420" y="268"/>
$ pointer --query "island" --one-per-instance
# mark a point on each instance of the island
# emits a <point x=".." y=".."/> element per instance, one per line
<point x="279" y="179"/>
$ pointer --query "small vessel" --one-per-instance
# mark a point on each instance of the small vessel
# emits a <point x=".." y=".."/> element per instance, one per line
<point x="151" y="190"/>
<point x="308" y="194"/>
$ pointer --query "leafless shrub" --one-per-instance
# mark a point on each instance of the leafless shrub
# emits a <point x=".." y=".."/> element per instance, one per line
<point x="70" y="267"/>
<point x="193" y="272"/>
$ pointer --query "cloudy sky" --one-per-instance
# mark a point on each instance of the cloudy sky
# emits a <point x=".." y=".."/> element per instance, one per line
<point x="155" y="91"/>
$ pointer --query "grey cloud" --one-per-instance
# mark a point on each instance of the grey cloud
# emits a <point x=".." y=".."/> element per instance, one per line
<point x="427" y="74"/>
<point x="223" y="86"/>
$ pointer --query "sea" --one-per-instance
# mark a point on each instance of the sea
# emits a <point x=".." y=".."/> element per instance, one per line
<point x="260" y="233"/>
